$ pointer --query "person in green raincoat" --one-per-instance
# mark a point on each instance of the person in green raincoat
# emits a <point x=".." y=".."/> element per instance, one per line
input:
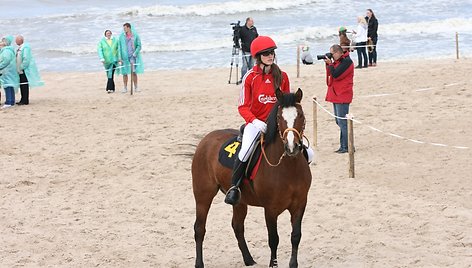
<point x="108" y="53"/>
<point x="9" y="78"/>
<point x="27" y="70"/>
<point x="130" y="56"/>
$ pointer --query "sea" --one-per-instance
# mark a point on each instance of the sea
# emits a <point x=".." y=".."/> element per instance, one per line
<point x="197" y="34"/>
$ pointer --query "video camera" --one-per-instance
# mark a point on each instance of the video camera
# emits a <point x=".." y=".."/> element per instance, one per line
<point x="322" y="57"/>
<point x="236" y="29"/>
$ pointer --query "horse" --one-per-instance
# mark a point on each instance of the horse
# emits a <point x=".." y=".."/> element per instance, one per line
<point x="281" y="183"/>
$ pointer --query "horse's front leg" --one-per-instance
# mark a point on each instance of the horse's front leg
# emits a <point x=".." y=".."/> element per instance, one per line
<point x="239" y="215"/>
<point x="271" y="222"/>
<point x="296" y="219"/>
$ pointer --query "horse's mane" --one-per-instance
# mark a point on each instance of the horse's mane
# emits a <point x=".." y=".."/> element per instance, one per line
<point x="287" y="100"/>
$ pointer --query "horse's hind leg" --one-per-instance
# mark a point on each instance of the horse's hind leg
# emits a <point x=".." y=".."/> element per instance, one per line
<point x="239" y="215"/>
<point x="203" y="199"/>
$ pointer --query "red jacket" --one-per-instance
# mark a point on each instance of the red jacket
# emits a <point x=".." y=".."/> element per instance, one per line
<point x="340" y="80"/>
<point x="257" y="96"/>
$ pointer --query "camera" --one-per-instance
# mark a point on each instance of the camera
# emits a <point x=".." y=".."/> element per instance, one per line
<point x="322" y="57"/>
<point x="236" y="29"/>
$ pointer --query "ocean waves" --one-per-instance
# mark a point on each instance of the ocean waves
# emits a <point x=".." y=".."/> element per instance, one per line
<point x="218" y="8"/>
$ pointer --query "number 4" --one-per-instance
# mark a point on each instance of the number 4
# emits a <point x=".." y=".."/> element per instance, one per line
<point x="231" y="148"/>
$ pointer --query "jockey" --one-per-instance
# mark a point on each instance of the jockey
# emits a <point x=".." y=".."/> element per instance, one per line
<point x="256" y="99"/>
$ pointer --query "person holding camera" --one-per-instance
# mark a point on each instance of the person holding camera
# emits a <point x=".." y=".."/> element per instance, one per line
<point x="256" y="99"/>
<point x="247" y="34"/>
<point x="340" y="81"/>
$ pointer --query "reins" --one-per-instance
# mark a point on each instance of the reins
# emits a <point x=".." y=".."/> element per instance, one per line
<point x="265" y="156"/>
<point x="282" y="136"/>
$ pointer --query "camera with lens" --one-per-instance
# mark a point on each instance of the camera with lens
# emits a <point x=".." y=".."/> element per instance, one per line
<point x="322" y="57"/>
<point x="236" y="29"/>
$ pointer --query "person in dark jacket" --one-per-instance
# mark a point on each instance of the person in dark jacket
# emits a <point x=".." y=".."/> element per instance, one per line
<point x="340" y="81"/>
<point x="372" y="35"/>
<point x="247" y="34"/>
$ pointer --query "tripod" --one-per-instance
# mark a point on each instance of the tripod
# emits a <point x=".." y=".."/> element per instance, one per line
<point x="234" y="55"/>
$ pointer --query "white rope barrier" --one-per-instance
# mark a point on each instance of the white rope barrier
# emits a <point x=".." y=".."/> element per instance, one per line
<point x="24" y="83"/>
<point x="122" y="66"/>
<point x="389" y="133"/>
<point x="416" y="90"/>
<point x="358" y="46"/>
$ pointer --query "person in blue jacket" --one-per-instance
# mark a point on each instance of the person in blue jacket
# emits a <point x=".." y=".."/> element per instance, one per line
<point x="107" y="50"/>
<point x="27" y="70"/>
<point x="130" y="56"/>
<point x="9" y="77"/>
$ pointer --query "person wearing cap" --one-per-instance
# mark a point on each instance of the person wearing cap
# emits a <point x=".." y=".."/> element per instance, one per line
<point x="344" y="41"/>
<point x="9" y="78"/>
<point x="306" y="56"/>
<point x="256" y="99"/>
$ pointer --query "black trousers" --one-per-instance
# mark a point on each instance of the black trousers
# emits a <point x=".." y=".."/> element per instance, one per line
<point x="361" y="52"/>
<point x="110" y="82"/>
<point x="24" y="89"/>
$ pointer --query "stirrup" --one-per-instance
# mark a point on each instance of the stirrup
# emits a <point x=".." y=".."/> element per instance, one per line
<point x="232" y="187"/>
<point x="236" y="196"/>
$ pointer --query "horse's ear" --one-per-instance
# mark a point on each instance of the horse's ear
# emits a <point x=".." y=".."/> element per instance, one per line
<point x="299" y="95"/>
<point x="279" y="94"/>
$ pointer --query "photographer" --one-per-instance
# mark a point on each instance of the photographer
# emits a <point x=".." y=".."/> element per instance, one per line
<point x="340" y="80"/>
<point x="247" y="34"/>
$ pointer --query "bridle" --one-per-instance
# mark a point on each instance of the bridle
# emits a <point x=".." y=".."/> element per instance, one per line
<point x="283" y="136"/>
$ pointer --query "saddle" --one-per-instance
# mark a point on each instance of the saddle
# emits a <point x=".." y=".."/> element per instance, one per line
<point x="229" y="152"/>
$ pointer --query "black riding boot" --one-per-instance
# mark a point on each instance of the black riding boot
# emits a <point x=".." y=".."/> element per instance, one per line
<point x="234" y="194"/>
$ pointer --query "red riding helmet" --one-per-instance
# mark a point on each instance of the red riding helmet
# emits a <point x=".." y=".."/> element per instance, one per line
<point x="262" y="44"/>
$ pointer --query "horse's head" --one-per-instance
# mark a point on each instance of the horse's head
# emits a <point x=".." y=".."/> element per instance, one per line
<point x="289" y="121"/>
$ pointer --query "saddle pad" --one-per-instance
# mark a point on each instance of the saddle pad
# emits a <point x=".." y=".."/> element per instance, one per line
<point x="230" y="150"/>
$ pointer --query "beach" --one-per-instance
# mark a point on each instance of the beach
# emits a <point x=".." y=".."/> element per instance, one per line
<point x="94" y="179"/>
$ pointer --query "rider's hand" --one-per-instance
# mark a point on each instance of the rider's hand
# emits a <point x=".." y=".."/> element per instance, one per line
<point x="262" y="126"/>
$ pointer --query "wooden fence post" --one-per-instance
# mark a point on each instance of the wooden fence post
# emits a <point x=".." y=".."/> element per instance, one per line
<point x="298" y="61"/>
<point x="350" y="139"/>
<point x="315" y="122"/>
<point x="131" y="76"/>
<point x="457" y="45"/>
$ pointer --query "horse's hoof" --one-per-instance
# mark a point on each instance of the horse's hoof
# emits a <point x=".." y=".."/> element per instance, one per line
<point x="250" y="262"/>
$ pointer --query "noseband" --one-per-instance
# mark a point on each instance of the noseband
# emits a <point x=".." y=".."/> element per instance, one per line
<point x="283" y="136"/>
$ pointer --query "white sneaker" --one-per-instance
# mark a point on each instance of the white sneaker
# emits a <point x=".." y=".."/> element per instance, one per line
<point x="136" y="89"/>
<point x="124" y="90"/>
<point x="6" y="106"/>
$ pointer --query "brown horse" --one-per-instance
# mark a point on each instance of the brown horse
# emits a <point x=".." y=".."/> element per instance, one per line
<point x="282" y="181"/>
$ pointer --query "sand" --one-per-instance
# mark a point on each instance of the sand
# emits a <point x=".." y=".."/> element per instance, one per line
<point x="94" y="179"/>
